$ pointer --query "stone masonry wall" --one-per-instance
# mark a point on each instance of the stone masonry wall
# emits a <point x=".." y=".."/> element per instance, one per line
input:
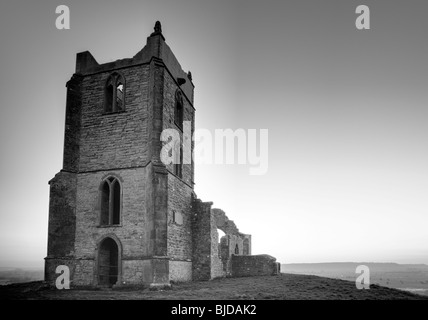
<point x="117" y="140"/>
<point x="179" y="219"/>
<point x="131" y="233"/>
<point x="50" y="269"/>
<point x="73" y="111"/>
<point x="180" y="190"/>
<point x="217" y="266"/>
<point x="62" y="215"/>
<point x="170" y="88"/>
<point x="201" y="239"/>
<point x="248" y="266"/>
<point x="180" y="271"/>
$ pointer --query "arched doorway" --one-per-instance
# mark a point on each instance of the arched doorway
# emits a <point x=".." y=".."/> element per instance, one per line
<point x="108" y="263"/>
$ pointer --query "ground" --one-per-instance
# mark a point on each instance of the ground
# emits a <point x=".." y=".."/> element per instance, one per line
<point x="281" y="287"/>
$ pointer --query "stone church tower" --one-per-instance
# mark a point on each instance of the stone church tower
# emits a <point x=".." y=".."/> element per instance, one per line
<point x="117" y="214"/>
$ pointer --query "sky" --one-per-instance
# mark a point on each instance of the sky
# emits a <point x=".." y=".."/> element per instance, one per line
<point x="345" y="110"/>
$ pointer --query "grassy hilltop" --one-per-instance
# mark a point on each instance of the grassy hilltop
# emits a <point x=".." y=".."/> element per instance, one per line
<point x="282" y="287"/>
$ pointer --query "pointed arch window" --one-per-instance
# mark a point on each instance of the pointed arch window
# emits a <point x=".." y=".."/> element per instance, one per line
<point x="110" y="194"/>
<point x="114" y="93"/>
<point x="179" y="109"/>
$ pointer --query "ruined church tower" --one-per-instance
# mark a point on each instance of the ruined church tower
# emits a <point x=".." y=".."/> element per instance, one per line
<point x="109" y="204"/>
<point x="117" y="214"/>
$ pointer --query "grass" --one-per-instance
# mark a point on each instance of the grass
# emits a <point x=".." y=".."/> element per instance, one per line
<point x="282" y="287"/>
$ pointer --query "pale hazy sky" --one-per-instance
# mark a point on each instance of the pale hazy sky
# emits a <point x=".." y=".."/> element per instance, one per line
<point x="346" y="112"/>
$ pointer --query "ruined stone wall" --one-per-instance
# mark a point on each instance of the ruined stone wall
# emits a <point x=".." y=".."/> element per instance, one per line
<point x="235" y="242"/>
<point x="212" y="259"/>
<point x="201" y="239"/>
<point x="223" y="248"/>
<point x="247" y="245"/>
<point x="232" y="243"/>
<point x="260" y="265"/>
<point x="217" y="263"/>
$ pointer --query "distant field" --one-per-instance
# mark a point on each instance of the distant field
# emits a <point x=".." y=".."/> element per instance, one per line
<point x="281" y="287"/>
<point x="14" y="275"/>
<point x="409" y="277"/>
